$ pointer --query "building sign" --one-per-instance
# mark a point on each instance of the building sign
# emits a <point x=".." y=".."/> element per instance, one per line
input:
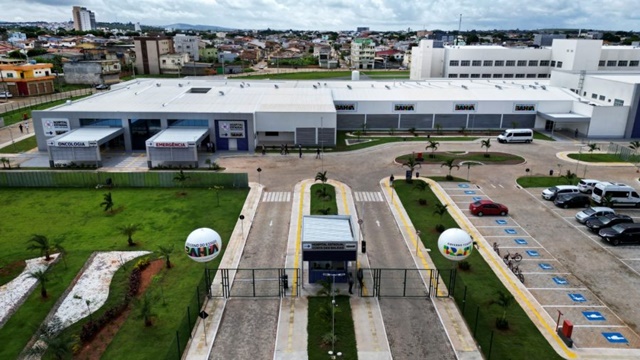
<point x="170" y="144"/>
<point x="527" y="108"/>
<point x="346" y="107"/>
<point x="465" y="107"/>
<point x="404" y="107"/>
<point x="231" y="129"/>
<point x="72" y="144"/>
<point x="54" y="127"/>
<point x="324" y="246"/>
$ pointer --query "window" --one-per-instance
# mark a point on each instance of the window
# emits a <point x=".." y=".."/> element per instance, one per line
<point x="601" y="63"/>
<point x="519" y="76"/>
<point x="484" y="76"/>
<point x="454" y="63"/>
<point x="497" y="76"/>
<point x="465" y="63"/>
<point x="511" y="63"/>
<point x="533" y="62"/>
<point x="464" y="76"/>
<point x="618" y="102"/>
<point x="601" y="97"/>
<point x="476" y="63"/>
<point x="634" y="63"/>
<point x="271" y="133"/>
<point x="559" y="64"/>
<point x="622" y="63"/>
<point x="10" y="75"/>
<point x="544" y="62"/>
<point x="453" y="75"/>
<point x="611" y="63"/>
<point x="475" y="76"/>
<point x="584" y="93"/>
<point x="594" y="96"/>
<point x="542" y="76"/>
<point x="553" y="63"/>
<point x="499" y="63"/>
<point x="488" y="63"/>
<point x="529" y="76"/>
<point x="522" y="62"/>
<point x="508" y="76"/>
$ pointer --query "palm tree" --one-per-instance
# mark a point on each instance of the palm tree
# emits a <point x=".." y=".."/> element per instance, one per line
<point x="57" y="246"/>
<point x="449" y="163"/>
<point x="412" y="164"/>
<point x="217" y="189"/>
<point x="440" y="210"/>
<point x="165" y="252"/>
<point x="592" y="147"/>
<point x="422" y="187"/>
<point x="145" y="310"/>
<point x="635" y="145"/>
<point x="439" y="129"/>
<point x="569" y="177"/>
<point x="107" y="202"/>
<point x="129" y="230"/>
<point x="433" y="145"/>
<point x="486" y="144"/>
<point x="42" y="277"/>
<point x="504" y="300"/>
<point x="322" y="176"/>
<point x="40" y="243"/>
<point x="5" y="161"/>
<point x="181" y="178"/>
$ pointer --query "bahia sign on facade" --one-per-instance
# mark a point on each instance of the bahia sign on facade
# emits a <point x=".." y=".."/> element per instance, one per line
<point x="203" y="245"/>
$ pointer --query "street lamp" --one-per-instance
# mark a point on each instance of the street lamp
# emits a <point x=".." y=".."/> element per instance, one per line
<point x="242" y="224"/>
<point x="333" y="313"/>
<point x="417" y="240"/>
<point x="259" y="171"/>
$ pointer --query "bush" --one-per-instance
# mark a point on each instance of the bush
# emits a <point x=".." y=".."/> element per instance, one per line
<point x="440" y="228"/>
<point x="464" y="265"/>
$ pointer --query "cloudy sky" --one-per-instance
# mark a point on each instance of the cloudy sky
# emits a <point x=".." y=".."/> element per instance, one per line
<point x="343" y="14"/>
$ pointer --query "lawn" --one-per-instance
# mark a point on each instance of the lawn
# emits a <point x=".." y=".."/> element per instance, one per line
<point x="342" y="137"/>
<point x="477" y="287"/>
<point x="441" y="157"/>
<point x="20" y="146"/>
<point x="545" y="181"/>
<point x="320" y="324"/>
<point x="599" y="158"/>
<point x="326" y="205"/>
<point x="75" y="215"/>
<point x="541" y="136"/>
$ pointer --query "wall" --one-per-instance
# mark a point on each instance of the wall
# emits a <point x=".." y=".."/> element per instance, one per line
<point x="82" y="73"/>
<point x="577" y="54"/>
<point x="607" y="121"/>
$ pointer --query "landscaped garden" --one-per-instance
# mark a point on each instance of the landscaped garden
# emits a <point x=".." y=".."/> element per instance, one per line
<point x="79" y="222"/>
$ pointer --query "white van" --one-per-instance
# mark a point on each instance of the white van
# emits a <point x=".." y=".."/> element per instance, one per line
<point x="617" y="193"/>
<point x="586" y="185"/>
<point x="516" y="135"/>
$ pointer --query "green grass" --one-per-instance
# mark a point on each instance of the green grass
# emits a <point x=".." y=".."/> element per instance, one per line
<point x="342" y="137"/>
<point x="166" y="219"/>
<point x="20" y="146"/>
<point x="544" y="181"/>
<point x="328" y="203"/>
<point x="599" y="158"/>
<point x="9" y="271"/>
<point x="303" y="75"/>
<point x="541" y="136"/>
<point x="71" y="87"/>
<point x="441" y="157"/>
<point x="15" y="116"/>
<point x="481" y="286"/>
<point x="318" y="326"/>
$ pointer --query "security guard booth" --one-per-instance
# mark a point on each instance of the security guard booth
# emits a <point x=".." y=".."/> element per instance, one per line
<point x="328" y="244"/>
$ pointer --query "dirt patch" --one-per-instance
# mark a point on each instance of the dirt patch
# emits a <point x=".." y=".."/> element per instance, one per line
<point x="94" y="349"/>
<point x="10" y="271"/>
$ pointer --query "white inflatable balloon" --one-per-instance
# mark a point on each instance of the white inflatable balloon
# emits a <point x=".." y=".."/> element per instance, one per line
<point x="455" y="244"/>
<point x="203" y="245"/>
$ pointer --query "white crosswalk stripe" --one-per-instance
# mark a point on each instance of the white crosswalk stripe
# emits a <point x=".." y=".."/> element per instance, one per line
<point x="276" y="196"/>
<point x="368" y="196"/>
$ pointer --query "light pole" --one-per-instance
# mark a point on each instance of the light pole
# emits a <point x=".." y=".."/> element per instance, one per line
<point x="333" y="313"/>
<point x="259" y="171"/>
<point x="242" y="224"/>
<point x="417" y="240"/>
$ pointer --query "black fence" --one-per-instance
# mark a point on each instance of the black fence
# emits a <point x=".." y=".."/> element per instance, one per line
<point x="407" y="282"/>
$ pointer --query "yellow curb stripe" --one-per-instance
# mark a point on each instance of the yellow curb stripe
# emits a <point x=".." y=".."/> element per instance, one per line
<point x="296" y="258"/>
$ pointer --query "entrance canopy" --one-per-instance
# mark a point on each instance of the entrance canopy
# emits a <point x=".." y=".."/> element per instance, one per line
<point x="81" y="145"/>
<point x="565" y="117"/>
<point x="175" y="145"/>
<point x="328" y="238"/>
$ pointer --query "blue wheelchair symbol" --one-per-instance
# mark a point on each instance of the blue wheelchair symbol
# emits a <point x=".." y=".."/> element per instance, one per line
<point x="469" y="192"/>
<point x="593" y="316"/>
<point x="501" y="222"/>
<point x="476" y="198"/>
<point x="577" y="297"/>
<point x="520" y="241"/>
<point x="463" y="185"/>
<point x="533" y="253"/>
<point x="615" y="338"/>
<point x="545" y="266"/>
<point x="510" y="231"/>
<point x="560" y="281"/>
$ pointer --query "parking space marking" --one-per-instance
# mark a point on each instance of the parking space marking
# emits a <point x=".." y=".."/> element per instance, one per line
<point x="599" y="326"/>
<point x="559" y="289"/>
<point x="545" y="273"/>
<point x="573" y="306"/>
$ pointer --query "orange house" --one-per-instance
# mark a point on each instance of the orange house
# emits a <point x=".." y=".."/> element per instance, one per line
<point x="27" y="79"/>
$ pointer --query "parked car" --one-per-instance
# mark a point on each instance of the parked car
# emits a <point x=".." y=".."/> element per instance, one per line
<point x="487" y="207"/>
<point x="621" y="233"/>
<point x="603" y="222"/>
<point x="5" y="94"/>
<point x="586" y="185"/>
<point x="592" y="213"/>
<point x="553" y="192"/>
<point x="572" y="200"/>
<point x="103" y="87"/>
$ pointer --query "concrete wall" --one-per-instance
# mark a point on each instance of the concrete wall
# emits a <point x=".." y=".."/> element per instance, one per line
<point x="607" y="121"/>
<point x="82" y="73"/>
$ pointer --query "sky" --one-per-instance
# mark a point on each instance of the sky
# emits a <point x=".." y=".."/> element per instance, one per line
<point x="335" y="15"/>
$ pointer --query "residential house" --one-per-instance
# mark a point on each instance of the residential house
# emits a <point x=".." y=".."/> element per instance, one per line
<point x="149" y="51"/>
<point x="362" y="53"/>
<point x="28" y="79"/>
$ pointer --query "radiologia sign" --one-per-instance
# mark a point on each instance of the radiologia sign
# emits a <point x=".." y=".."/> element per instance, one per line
<point x="203" y="245"/>
<point x="455" y="244"/>
<point x="54" y="127"/>
<point x="231" y="129"/>
<point x="404" y="107"/>
<point x="524" y="108"/>
<point x="465" y="107"/>
<point x="346" y="107"/>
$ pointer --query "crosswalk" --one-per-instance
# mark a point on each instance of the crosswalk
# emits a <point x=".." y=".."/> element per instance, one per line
<point x="276" y="196"/>
<point x="369" y="196"/>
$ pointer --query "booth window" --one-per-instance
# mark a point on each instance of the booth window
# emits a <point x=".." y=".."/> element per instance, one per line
<point x="271" y="133"/>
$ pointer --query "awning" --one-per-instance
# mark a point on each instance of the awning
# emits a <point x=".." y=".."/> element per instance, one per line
<point x="85" y="137"/>
<point x="178" y="138"/>
<point x="565" y="117"/>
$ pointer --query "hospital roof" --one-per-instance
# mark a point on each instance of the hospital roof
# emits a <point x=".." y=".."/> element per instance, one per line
<point x="629" y="78"/>
<point x="327" y="228"/>
<point x="186" y="134"/>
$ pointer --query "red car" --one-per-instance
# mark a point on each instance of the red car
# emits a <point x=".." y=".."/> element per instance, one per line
<point x="487" y="207"/>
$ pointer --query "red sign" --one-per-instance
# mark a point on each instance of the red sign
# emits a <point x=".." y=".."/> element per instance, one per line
<point x="171" y="144"/>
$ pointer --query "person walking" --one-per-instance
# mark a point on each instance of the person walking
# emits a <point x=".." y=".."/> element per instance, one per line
<point x="391" y="178"/>
<point x="300" y="151"/>
<point x="360" y="277"/>
<point x="264" y="151"/>
<point x="20" y="127"/>
<point x="26" y="126"/>
<point x="350" y="283"/>
<point x="286" y="149"/>
<point x="318" y="153"/>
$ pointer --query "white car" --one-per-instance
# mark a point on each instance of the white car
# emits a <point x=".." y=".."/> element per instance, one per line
<point x="586" y="185"/>
<point x="5" y="94"/>
<point x="592" y="213"/>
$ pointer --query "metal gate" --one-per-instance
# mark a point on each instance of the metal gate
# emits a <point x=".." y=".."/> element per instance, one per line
<point x="276" y="282"/>
<point x="406" y="283"/>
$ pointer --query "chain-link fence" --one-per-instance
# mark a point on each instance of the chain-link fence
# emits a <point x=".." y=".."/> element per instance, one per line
<point x="16" y="110"/>
<point x="625" y="153"/>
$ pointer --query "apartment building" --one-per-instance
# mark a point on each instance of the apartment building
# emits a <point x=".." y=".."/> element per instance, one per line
<point x="83" y="19"/>
<point x="148" y="53"/>
<point x="187" y="44"/>
<point x="362" y="54"/>
<point x="27" y="79"/>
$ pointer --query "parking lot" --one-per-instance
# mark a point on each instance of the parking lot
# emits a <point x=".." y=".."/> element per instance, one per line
<point x="550" y="272"/>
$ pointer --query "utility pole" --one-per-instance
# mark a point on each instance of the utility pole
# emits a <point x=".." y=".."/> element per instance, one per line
<point x="459" y="28"/>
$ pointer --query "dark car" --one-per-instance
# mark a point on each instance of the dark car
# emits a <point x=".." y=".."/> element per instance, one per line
<point x="103" y="87"/>
<point x="621" y="233"/>
<point x="572" y="200"/>
<point x="487" y="207"/>
<point x="606" y="221"/>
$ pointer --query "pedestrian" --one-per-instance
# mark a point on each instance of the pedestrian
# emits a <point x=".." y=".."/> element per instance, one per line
<point x="318" y="153"/>
<point x="281" y="149"/>
<point x="350" y="283"/>
<point x="26" y="126"/>
<point x="300" y="151"/>
<point x="20" y="127"/>
<point x="360" y="277"/>
<point x="264" y="151"/>
<point x="391" y="178"/>
<point x="286" y="149"/>
<point x="208" y="146"/>
<point x="575" y="133"/>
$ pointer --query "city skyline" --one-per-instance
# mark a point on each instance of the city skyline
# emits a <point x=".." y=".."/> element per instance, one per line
<point x="336" y="15"/>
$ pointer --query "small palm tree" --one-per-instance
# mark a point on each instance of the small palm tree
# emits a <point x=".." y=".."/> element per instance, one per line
<point x="486" y="144"/>
<point x="59" y="248"/>
<point x="208" y="162"/>
<point x="145" y="310"/>
<point x="322" y="177"/>
<point x="439" y="129"/>
<point x="504" y="300"/>
<point x="449" y="163"/>
<point x="433" y="145"/>
<point x="165" y="252"/>
<point x="412" y="164"/>
<point x="440" y="210"/>
<point x="357" y="133"/>
<point x="181" y="178"/>
<point x="107" y="202"/>
<point x="42" y="277"/>
<point x="421" y="186"/>
<point x="569" y="177"/>
<point x="40" y="243"/>
<point x="5" y="162"/>
<point x="592" y="147"/>
<point x="217" y="189"/>
<point x="635" y="146"/>
<point x="129" y="230"/>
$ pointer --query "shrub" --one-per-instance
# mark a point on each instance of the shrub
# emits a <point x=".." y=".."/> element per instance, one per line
<point x="440" y="228"/>
<point x="464" y="265"/>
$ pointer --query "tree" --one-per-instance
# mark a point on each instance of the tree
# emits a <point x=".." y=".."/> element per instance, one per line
<point x="421" y="186"/>
<point x="440" y="210"/>
<point x="449" y="163"/>
<point x="322" y="177"/>
<point x="569" y="177"/>
<point x="181" y="178"/>
<point x="439" y="129"/>
<point x="433" y="145"/>
<point x="592" y="147"/>
<point x="52" y="340"/>
<point x="486" y="144"/>
<point x="145" y="310"/>
<point x="129" y="230"/>
<point x="165" y="252"/>
<point x="217" y="189"/>
<point x="6" y="163"/>
<point x="107" y="202"/>
<point x="504" y="300"/>
<point x="412" y="164"/>
<point x="635" y="145"/>
<point x="57" y="246"/>
<point x="40" y="243"/>
<point x="41" y="277"/>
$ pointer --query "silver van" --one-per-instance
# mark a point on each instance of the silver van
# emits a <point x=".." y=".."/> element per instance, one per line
<point x="586" y="185"/>
<point x="553" y="192"/>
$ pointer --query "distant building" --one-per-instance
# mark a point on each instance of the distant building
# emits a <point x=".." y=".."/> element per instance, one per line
<point x="83" y="19"/>
<point x="137" y="27"/>
<point x="546" y="39"/>
<point x="173" y="63"/>
<point x="362" y="54"/>
<point x="16" y="37"/>
<point x="92" y="72"/>
<point x="362" y="29"/>
<point x="186" y="44"/>
<point x="27" y="79"/>
<point x="148" y="52"/>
